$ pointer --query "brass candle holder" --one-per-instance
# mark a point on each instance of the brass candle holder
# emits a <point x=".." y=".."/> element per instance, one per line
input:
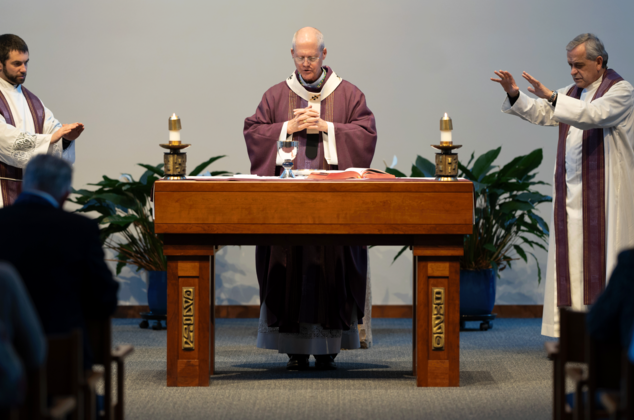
<point x="446" y="161"/>
<point x="175" y="160"/>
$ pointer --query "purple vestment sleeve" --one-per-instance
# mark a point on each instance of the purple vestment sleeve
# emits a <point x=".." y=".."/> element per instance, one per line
<point x="356" y="138"/>
<point x="262" y="130"/>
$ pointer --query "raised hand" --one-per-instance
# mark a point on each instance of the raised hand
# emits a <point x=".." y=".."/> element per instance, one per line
<point x="538" y="89"/>
<point x="507" y="82"/>
<point x="67" y="131"/>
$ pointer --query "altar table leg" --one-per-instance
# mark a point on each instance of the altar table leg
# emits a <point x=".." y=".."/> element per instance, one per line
<point x="437" y="319"/>
<point x="190" y="320"/>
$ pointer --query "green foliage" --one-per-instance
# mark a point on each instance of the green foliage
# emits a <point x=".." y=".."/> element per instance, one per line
<point x="124" y="211"/>
<point x="507" y="225"/>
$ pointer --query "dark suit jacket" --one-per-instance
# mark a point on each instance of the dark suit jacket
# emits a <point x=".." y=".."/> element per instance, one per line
<point x="611" y="318"/>
<point x="60" y="259"/>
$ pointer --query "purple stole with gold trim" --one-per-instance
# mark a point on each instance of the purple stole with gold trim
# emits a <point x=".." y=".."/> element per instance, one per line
<point x="593" y="186"/>
<point x="11" y="189"/>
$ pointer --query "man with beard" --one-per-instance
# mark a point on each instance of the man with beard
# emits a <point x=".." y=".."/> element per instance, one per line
<point x="27" y="127"/>
<point x="312" y="296"/>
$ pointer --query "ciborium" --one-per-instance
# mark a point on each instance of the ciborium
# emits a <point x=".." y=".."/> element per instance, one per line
<point x="175" y="160"/>
<point x="446" y="161"/>
<point x="287" y="151"/>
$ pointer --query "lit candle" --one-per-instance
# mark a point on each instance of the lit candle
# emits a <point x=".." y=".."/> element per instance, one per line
<point x="445" y="130"/>
<point x="175" y="129"/>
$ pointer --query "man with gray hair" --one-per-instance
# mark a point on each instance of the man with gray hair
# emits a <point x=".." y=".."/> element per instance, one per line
<point x="311" y="297"/>
<point x="58" y="254"/>
<point x="593" y="219"/>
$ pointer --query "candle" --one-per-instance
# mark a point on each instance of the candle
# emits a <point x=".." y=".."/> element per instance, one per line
<point x="445" y="130"/>
<point x="175" y="129"/>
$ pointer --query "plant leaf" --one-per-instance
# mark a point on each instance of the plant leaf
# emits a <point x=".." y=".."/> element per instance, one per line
<point x="198" y="169"/>
<point x="154" y="169"/>
<point x="428" y="168"/>
<point x="490" y="247"/>
<point x="483" y="163"/>
<point x="511" y="206"/>
<point x="395" y="172"/>
<point x="417" y="173"/>
<point x="399" y="253"/>
<point x="539" y="269"/>
<point x="520" y="252"/>
<point x="121" y="220"/>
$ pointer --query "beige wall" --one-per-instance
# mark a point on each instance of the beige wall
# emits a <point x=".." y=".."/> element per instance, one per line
<point x="122" y="67"/>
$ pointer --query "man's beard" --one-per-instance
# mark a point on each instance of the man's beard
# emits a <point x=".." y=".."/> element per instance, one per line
<point x="12" y="79"/>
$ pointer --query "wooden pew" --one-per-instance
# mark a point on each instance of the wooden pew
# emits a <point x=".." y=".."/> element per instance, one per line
<point x="620" y="404"/>
<point x="604" y="372"/>
<point x="569" y="349"/>
<point x="100" y="338"/>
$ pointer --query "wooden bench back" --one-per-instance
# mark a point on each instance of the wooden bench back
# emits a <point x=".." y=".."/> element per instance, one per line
<point x="572" y="336"/>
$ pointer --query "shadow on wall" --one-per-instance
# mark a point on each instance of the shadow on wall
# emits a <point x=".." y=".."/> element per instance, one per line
<point x="236" y="281"/>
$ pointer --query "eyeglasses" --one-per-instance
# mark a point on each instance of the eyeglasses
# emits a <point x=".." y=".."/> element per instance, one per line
<point x="300" y="60"/>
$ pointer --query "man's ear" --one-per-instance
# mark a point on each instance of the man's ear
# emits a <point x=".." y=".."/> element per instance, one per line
<point x="599" y="61"/>
<point x="292" y="52"/>
<point x="63" y="199"/>
<point x="324" y="52"/>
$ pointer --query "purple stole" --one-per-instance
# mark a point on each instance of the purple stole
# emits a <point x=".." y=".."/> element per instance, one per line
<point x="11" y="189"/>
<point x="593" y="185"/>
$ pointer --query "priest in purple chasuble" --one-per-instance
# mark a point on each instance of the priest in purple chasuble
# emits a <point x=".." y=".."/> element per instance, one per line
<point x="27" y="127"/>
<point x="593" y="211"/>
<point x="311" y="297"/>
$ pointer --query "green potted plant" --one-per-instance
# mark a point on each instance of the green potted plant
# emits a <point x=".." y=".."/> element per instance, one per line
<point x="124" y="209"/>
<point x="506" y="227"/>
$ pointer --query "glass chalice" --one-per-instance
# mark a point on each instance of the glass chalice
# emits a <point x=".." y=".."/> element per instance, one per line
<point x="287" y="150"/>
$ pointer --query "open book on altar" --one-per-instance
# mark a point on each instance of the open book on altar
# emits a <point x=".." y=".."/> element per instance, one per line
<point x="351" y="173"/>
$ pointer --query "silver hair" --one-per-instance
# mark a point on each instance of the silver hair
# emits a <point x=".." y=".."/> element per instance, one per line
<point x="594" y="47"/>
<point x="320" y="39"/>
<point x="48" y="174"/>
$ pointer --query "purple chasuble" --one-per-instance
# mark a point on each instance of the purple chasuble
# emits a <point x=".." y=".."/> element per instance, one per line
<point x="312" y="284"/>
<point x="593" y="191"/>
<point x="11" y="189"/>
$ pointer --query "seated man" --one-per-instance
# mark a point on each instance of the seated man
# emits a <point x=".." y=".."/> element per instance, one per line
<point x="611" y="318"/>
<point x="57" y="254"/>
<point x="22" y="342"/>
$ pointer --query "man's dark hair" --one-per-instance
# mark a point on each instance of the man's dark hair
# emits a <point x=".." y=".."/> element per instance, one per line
<point x="8" y="43"/>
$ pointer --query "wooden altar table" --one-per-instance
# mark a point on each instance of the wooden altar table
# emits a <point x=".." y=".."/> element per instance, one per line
<point x="431" y="217"/>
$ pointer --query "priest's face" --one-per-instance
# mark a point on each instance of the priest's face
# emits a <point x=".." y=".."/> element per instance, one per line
<point x="14" y="69"/>
<point x="583" y="71"/>
<point x="308" y="59"/>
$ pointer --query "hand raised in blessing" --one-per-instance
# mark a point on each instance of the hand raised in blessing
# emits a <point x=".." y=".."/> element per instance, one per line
<point x="507" y="81"/>
<point x="538" y="89"/>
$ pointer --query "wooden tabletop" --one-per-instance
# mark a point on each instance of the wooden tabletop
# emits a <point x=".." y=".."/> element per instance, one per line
<point x="301" y="207"/>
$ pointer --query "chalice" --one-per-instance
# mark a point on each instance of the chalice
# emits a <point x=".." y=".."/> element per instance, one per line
<point x="287" y="151"/>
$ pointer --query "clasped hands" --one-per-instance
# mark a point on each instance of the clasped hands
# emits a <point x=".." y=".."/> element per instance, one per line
<point x="306" y="118"/>
<point x="68" y="132"/>
<point x="509" y="86"/>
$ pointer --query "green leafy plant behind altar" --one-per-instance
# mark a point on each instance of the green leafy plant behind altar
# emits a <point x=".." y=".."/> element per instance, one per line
<point x="507" y="226"/>
<point x="124" y="208"/>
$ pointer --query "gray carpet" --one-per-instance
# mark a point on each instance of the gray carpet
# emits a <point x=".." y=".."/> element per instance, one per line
<point x="504" y="374"/>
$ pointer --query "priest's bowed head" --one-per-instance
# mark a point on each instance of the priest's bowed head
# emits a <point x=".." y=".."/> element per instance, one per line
<point x="313" y="295"/>
<point x="593" y="192"/>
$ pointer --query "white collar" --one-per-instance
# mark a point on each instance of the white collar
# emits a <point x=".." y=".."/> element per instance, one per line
<point x="9" y="86"/>
<point x="331" y="84"/>
<point x="594" y="85"/>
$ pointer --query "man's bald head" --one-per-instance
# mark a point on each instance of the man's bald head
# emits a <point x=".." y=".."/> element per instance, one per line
<point x="309" y="35"/>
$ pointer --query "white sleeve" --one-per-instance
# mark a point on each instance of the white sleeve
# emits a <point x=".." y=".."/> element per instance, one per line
<point x="608" y="111"/>
<point x="330" y="145"/>
<point x="283" y="136"/>
<point x="17" y="147"/>
<point x="535" y="111"/>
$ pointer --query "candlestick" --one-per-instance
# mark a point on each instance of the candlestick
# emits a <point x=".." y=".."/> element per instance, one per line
<point x="446" y="160"/>
<point x="446" y="126"/>
<point x="175" y="160"/>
